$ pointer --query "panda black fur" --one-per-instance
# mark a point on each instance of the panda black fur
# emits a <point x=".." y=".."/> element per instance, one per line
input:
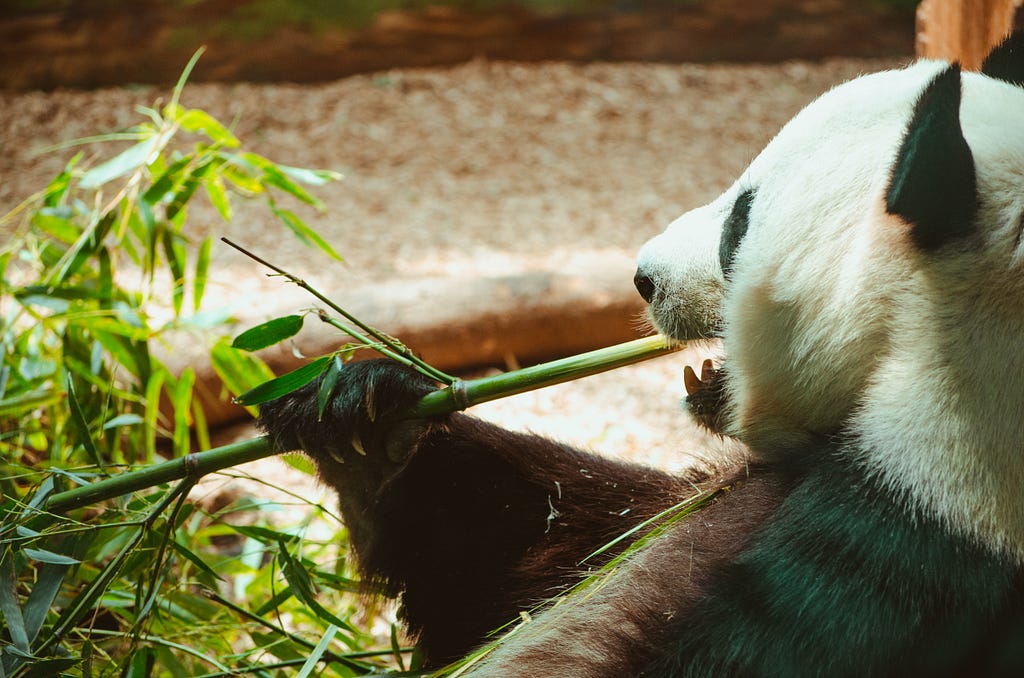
<point x="864" y="275"/>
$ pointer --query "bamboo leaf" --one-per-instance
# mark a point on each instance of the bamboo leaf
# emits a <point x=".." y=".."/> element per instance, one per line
<point x="182" y="402"/>
<point x="268" y="333"/>
<point x="202" y="268"/>
<point x="183" y="78"/>
<point x="78" y="418"/>
<point x="187" y="189"/>
<point x="152" y="412"/>
<point x="396" y="647"/>
<point x="190" y="556"/>
<point x="239" y="370"/>
<point x="214" y="186"/>
<point x="199" y="425"/>
<point x="304" y="232"/>
<point x="264" y="535"/>
<point x="297" y="577"/>
<point x="174" y="251"/>
<point x="284" y="384"/>
<point x="37" y="294"/>
<point x="299" y="462"/>
<point x="74" y="259"/>
<point x="196" y="120"/>
<point x="128" y="419"/>
<point x="281" y="595"/>
<point x="106" y="291"/>
<point x="104" y="325"/>
<point x="47" y="586"/>
<point x="44" y="556"/>
<point x="318" y="652"/>
<point x="127" y="161"/>
<point x="43" y="493"/>
<point x="273" y="176"/>
<point x="57" y="189"/>
<point x="328" y="384"/>
<point x="282" y="648"/>
<point x="56" y="221"/>
<point x="170" y="177"/>
<point x="237" y="175"/>
<point x="5" y="259"/>
<point x="141" y="662"/>
<point x="313" y="177"/>
<point x="17" y="405"/>
<point x="9" y="604"/>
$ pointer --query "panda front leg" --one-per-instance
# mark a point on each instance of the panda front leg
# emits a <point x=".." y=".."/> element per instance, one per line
<point x="469" y="522"/>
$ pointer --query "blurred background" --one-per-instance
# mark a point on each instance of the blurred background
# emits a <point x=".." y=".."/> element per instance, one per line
<point x="90" y="43"/>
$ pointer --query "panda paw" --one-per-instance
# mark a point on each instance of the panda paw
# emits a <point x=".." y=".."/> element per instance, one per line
<point x="361" y="419"/>
<point x="705" y="396"/>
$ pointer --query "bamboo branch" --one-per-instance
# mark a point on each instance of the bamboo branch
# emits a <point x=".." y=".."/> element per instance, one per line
<point x="195" y="465"/>
<point x="458" y="396"/>
<point x="386" y="340"/>
<point x="464" y="394"/>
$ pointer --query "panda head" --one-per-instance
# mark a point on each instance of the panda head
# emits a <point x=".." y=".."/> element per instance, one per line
<point x="886" y="205"/>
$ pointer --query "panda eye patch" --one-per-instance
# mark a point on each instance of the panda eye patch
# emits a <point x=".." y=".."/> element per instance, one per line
<point x="734" y="229"/>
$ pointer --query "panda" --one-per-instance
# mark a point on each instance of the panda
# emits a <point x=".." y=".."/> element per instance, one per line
<point x="865" y="275"/>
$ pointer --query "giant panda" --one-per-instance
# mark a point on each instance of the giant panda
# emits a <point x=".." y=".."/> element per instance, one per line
<point x="865" y="275"/>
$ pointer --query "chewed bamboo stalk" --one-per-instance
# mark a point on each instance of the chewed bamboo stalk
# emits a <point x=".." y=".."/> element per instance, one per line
<point x="458" y="396"/>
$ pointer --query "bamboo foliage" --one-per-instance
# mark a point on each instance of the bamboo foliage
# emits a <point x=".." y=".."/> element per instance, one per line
<point x="135" y="585"/>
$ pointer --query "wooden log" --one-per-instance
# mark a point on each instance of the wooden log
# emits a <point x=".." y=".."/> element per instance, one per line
<point x="962" y="30"/>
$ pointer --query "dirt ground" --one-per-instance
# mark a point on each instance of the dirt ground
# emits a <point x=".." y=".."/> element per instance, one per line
<point x="468" y="173"/>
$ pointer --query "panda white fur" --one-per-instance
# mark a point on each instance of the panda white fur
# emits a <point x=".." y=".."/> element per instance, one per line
<point x="865" y="276"/>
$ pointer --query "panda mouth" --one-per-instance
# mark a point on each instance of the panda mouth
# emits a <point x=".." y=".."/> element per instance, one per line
<point x="705" y="395"/>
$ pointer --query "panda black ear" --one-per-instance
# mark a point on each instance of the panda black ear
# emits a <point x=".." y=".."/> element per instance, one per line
<point x="933" y="186"/>
<point x="1006" y="61"/>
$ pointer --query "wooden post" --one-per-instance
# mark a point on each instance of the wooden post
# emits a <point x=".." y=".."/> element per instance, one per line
<point x="962" y="30"/>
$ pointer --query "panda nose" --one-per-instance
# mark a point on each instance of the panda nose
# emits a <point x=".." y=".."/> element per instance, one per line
<point x="644" y="285"/>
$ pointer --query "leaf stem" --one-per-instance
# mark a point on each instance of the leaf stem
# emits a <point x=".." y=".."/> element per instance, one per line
<point x="401" y="357"/>
<point x="393" y="344"/>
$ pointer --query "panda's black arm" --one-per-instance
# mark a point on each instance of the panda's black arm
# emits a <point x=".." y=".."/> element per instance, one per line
<point x="470" y="522"/>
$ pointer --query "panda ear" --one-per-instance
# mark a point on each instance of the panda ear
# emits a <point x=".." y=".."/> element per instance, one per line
<point x="933" y="186"/>
<point x="1006" y="61"/>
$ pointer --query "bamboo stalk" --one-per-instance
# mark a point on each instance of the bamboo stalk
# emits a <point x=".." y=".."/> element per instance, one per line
<point x="456" y="397"/>
<point x="476" y="391"/>
<point x="195" y="465"/>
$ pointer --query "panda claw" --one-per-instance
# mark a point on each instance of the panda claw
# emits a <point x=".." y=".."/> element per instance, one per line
<point x="691" y="381"/>
<point x="707" y="370"/>
<point x="357" y="445"/>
